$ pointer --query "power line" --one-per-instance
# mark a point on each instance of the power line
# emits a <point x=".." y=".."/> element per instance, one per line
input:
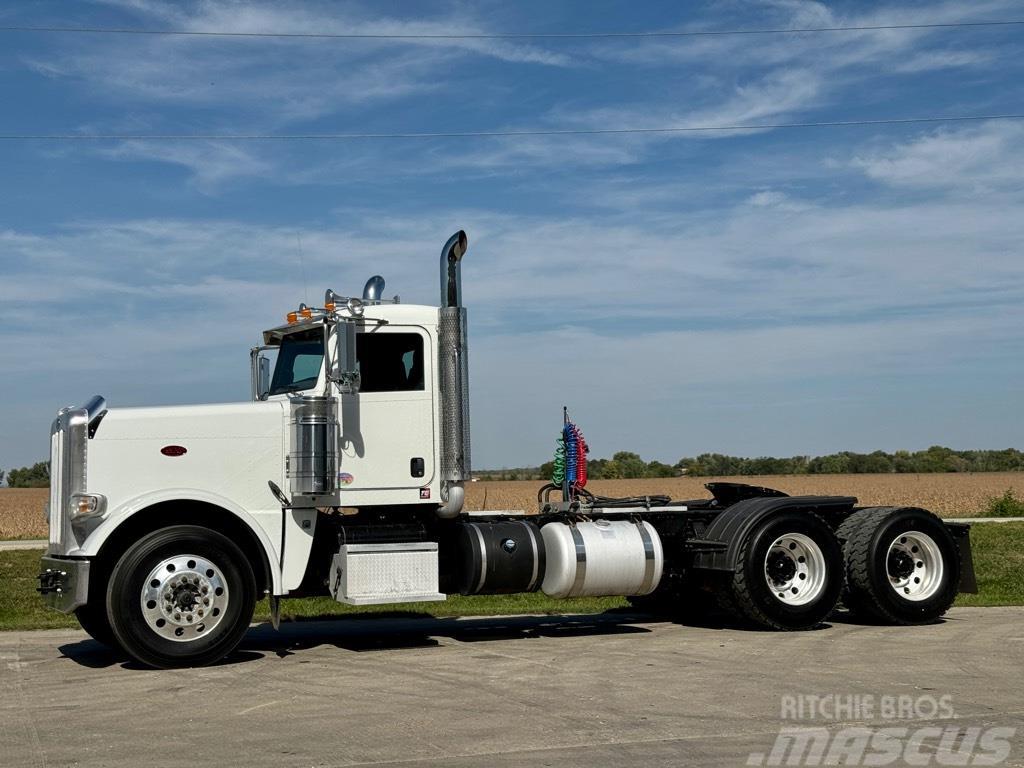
<point x="487" y="134"/>
<point x="503" y="35"/>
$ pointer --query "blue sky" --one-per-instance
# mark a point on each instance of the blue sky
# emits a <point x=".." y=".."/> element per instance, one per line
<point x="760" y="292"/>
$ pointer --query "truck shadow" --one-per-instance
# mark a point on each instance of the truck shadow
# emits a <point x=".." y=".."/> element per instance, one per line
<point x="424" y="631"/>
<point x="406" y="631"/>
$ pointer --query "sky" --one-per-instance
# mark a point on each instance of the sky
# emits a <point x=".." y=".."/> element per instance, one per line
<point x="756" y="292"/>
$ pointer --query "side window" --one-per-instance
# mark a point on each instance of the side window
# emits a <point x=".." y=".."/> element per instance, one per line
<point x="390" y="362"/>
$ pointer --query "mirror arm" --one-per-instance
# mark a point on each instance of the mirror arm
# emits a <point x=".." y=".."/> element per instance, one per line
<point x="340" y="365"/>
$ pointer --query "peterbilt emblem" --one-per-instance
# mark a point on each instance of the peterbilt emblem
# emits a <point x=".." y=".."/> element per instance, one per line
<point x="174" y="450"/>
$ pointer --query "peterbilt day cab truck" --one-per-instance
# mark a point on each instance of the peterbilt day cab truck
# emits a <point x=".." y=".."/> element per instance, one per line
<point x="344" y="476"/>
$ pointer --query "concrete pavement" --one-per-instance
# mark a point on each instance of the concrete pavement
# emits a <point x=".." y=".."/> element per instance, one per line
<point x="13" y="544"/>
<point x="608" y="690"/>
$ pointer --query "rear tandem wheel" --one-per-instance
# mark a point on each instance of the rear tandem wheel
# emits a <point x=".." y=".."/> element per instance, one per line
<point x="789" y="573"/>
<point x="902" y="565"/>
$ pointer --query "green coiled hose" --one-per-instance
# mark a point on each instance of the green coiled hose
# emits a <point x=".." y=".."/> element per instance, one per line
<point x="558" y="472"/>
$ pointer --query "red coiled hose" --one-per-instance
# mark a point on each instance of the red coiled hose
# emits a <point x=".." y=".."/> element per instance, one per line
<point x="581" y="458"/>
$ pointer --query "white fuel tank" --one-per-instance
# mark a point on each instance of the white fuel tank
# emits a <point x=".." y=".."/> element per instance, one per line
<point x="604" y="557"/>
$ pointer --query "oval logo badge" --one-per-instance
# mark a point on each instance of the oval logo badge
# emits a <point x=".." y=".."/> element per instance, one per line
<point x="344" y="478"/>
<point x="174" y="450"/>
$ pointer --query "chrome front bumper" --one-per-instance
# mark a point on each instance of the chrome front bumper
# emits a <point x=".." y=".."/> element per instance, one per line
<point x="64" y="584"/>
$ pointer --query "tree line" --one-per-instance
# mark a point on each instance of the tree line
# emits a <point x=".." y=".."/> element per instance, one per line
<point x="935" y="459"/>
<point x="629" y="465"/>
<point x="625" y="464"/>
<point x="36" y="476"/>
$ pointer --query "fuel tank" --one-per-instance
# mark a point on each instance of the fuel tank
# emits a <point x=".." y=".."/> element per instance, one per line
<point x="603" y="557"/>
<point x="499" y="558"/>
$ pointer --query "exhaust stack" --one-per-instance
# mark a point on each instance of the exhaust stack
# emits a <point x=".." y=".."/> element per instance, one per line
<point x="453" y="363"/>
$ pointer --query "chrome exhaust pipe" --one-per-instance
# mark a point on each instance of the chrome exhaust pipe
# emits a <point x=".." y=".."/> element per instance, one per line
<point x="453" y="363"/>
<point x="451" y="269"/>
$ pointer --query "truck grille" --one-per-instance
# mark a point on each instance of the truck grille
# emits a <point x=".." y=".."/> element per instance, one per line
<point x="69" y="449"/>
<point x="57" y="506"/>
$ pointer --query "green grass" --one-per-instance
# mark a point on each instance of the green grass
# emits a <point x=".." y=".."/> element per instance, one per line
<point x="1007" y="505"/>
<point x="999" y="564"/>
<point x="998" y="560"/>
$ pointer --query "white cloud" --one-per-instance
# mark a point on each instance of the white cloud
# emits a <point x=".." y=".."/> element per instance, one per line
<point x="773" y="198"/>
<point x="277" y="80"/>
<point x="933" y="60"/>
<point x="984" y="157"/>
<point x="210" y="163"/>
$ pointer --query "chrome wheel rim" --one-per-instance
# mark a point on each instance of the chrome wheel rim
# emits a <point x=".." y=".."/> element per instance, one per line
<point x="795" y="570"/>
<point x="184" y="598"/>
<point x="914" y="566"/>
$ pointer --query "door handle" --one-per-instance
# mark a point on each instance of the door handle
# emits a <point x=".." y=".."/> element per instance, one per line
<point x="417" y="467"/>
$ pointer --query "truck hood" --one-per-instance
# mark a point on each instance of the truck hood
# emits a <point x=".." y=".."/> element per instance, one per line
<point x="184" y="422"/>
<point x="227" y="451"/>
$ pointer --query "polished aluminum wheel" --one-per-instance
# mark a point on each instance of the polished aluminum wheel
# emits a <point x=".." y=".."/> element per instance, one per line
<point x="914" y="565"/>
<point x="794" y="569"/>
<point x="184" y="598"/>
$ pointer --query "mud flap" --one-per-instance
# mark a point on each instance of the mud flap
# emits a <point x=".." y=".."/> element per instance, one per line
<point x="962" y="533"/>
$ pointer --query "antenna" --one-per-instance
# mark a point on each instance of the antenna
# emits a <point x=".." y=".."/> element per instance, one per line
<point x="302" y="266"/>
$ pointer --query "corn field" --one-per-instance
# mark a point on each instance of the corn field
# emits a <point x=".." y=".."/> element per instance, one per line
<point x="949" y="495"/>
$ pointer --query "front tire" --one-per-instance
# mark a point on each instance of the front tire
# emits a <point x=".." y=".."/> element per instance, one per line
<point x="902" y="565"/>
<point x="789" y="575"/>
<point x="181" y="597"/>
<point x="93" y="619"/>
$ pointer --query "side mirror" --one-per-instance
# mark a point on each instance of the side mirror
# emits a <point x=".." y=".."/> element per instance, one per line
<point x="342" y="365"/>
<point x="260" y="372"/>
<point x="263" y="388"/>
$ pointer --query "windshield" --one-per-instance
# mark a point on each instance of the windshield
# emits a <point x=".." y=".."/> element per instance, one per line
<point x="298" y="362"/>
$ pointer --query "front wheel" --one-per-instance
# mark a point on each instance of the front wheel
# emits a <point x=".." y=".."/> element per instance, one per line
<point x="789" y="575"/>
<point x="181" y="597"/>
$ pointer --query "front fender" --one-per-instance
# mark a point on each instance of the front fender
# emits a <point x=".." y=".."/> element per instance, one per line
<point x="115" y="517"/>
<point x="735" y="523"/>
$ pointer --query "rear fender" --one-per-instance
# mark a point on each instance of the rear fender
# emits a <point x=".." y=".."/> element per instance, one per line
<point x="735" y="523"/>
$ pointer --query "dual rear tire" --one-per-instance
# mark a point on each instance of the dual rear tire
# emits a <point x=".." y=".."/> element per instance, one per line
<point x="789" y="573"/>
<point x="887" y="564"/>
<point x="902" y="565"/>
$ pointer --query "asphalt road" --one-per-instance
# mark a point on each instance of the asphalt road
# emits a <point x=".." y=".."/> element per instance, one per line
<point x="610" y="690"/>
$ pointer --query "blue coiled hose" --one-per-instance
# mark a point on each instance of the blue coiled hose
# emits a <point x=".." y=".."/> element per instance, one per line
<point x="571" y="439"/>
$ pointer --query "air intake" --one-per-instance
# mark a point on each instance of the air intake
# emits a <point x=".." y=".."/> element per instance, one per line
<point x="373" y="291"/>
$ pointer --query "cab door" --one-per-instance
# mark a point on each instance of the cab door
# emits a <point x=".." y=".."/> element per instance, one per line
<point x="387" y="443"/>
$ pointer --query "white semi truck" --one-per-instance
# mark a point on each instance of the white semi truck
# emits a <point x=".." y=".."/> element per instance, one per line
<point x="345" y="477"/>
